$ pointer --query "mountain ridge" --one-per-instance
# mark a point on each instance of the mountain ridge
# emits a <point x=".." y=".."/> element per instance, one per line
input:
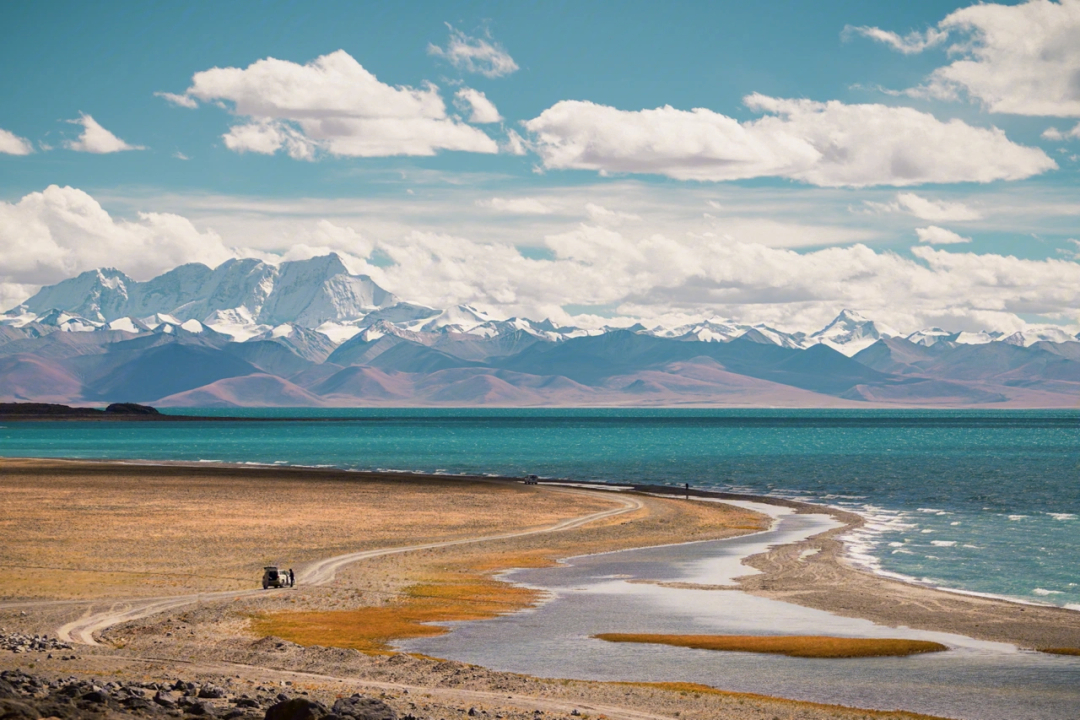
<point x="311" y="333"/>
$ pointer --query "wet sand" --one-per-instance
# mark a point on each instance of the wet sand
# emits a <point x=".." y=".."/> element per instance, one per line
<point x="816" y="573"/>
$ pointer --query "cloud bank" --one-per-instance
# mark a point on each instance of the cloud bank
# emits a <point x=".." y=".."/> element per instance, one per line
<point x="827" y="144"/>
<point x="610" y="260"/>
<point x="48" y="236"/>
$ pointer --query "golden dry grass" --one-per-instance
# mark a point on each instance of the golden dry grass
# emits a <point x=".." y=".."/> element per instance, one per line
<point x="803" y="646"/>
<point x="81" y="530"/>
<point x="457" y="584"/>
<point x="369" y="629"/>
<point x="1061" y="651"/>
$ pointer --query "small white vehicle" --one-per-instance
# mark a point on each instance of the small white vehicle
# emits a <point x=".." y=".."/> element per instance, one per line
<point x="274" y="578"/>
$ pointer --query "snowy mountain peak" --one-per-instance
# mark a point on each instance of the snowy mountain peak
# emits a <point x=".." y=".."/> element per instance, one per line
<point x="975" y="338"/>
<point x="250" y="292"/>
<point x="1032" y="335"/>
<point x="849" y="333"/>
<point x="95" y="294"/>
<point x="311" y="292"/>
<point x="460" y="318"/>
<point x="929" y="337"/>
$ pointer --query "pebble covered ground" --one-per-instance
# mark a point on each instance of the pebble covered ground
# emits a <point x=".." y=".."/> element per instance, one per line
<point x="29" y="697"/>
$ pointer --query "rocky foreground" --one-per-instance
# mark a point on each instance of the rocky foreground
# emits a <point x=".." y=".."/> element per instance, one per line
<point x="30" y="697"/>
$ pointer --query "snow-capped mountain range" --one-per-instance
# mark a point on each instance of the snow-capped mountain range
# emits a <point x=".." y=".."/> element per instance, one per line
<point x="320" y="301"/>
<point x="309" y="333"/>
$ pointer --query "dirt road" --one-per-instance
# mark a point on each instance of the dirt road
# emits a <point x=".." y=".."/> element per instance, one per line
<point x="319" y="572"/>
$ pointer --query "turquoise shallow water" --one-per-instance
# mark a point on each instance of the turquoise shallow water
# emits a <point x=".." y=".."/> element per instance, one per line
<point x="983" y="501"/>
<point x="604" y="593"/>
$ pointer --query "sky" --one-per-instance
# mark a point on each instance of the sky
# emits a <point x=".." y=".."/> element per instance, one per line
<point x="593" y="163"/>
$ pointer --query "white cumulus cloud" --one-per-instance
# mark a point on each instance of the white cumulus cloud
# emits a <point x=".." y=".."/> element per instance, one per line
<point x="910" y="44"/>
<point x="475" y="55"/>
<point x="180" y="100"/>
<point x="12" y="144"/>
<point x="96" y="139"/>
<point x="604" y="216"/>
<point x="926" y="208"/>
<point x="828" y="144"/>
<point x="330" y="104"/>
<point x="516" y="206"/>
<point x="1020" y="59"/>
<point x="1052" y="133"/>
<point x="482" y="110"/>
<point x="935" y="235"/>
<point x="51" y="235"/>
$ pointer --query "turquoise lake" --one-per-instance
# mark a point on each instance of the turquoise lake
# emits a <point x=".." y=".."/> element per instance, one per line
<point x="981" y="501"/>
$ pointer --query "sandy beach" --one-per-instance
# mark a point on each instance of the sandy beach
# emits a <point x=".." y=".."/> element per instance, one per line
<point x="81" y="533"/>
<point x="815" y="573"/>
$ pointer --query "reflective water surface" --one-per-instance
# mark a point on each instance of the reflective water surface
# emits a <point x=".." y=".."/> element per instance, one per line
<point x="598" y="593"/>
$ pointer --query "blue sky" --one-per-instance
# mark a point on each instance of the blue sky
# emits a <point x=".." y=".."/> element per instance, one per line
<point x="912" y="177"/>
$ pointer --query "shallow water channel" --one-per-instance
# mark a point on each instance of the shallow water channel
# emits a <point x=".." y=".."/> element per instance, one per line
<point x="597" y="594"/>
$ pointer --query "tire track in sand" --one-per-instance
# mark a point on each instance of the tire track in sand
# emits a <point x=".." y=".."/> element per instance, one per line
<point x="319" y="572"/>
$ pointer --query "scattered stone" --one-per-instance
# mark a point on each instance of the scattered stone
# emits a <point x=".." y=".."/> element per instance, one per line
<point x="15" y="710"/>
<point x="21" y="643"/>
<point x="297" y="709"/>
<point x="28" y="697"/>
<point x="365" y="708"/>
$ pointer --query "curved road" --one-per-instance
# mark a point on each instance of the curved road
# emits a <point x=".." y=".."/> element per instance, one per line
<point x="319" y="572"/>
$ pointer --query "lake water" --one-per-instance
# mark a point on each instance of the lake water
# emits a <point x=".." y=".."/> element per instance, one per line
<point x="983" y="501"/>
<point x="618" y="592"/>
<point x="980" y="501"/>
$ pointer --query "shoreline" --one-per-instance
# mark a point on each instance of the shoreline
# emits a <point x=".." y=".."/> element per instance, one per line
<point x="816" y="572"/>
<point x="219" y="634"/>
<point x="808" y="548"/>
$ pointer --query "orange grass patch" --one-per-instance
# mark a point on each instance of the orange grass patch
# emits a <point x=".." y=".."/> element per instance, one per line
<point x="687" y="688"/>
<point x="806" y="646"/>
<point x="461" y="588"/>
<point x="369" y="629"/>
<point x="1061" y="651"/>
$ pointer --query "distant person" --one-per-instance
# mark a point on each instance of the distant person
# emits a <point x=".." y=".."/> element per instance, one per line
<point x="292" y="578"/>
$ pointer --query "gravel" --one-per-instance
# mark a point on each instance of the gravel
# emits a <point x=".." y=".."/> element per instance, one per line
<point x="28" y="697"/>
